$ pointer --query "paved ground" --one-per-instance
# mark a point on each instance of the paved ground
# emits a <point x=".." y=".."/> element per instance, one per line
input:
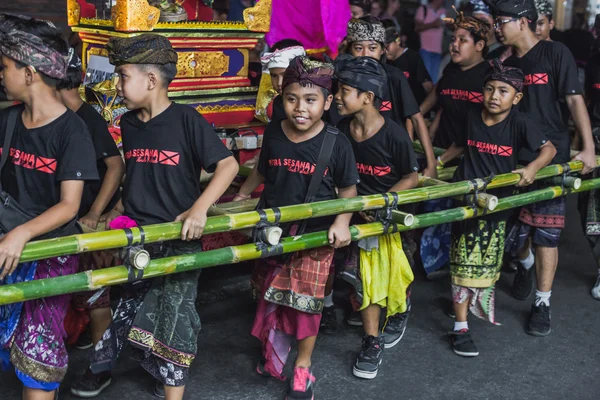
<point x="564" y="365"/>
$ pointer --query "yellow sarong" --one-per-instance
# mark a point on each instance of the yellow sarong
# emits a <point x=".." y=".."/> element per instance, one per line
<point x="386" y="275"/>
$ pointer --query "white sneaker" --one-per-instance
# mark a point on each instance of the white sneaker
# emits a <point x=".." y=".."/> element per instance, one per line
<point x="596" y="289"/>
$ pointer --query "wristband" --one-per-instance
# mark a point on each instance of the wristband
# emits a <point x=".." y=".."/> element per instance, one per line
<point x="244" y="196"/>
<point x="440" y="162"/>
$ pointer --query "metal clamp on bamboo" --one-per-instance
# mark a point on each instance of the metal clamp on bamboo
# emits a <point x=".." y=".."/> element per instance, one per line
<point x="139" y="258"/>
<point x="403" y="218"/>
<point x="570" y="182"/>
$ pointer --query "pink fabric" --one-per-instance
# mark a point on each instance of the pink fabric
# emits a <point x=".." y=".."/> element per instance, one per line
<point x="275" y="326"/>
<point x="122" y="222"/>
<point x="431" y="39"/>
<point x="315" y="23"/>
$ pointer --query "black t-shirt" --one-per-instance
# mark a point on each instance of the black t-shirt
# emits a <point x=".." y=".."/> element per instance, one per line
<point x="398" y="102"/>
<point x="494" y="149"/>
<point x="550" y="75"/>
<point x="105" y="147"/>
<point x="458" y="92"/>
<point x="41" y="158"/>
<point x="383" y="159"/>
<point x="592" y="83"/>
<point x="164" y="158"/>
<point x="287" y="168"/>
<point x="413" y="67"/>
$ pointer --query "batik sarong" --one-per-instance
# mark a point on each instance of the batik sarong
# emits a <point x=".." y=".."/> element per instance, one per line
<point x="159" y="318"/>
<point x="290" y="306"/>
<point x="475" y="264"/>
<point x="37" y="347"/>
<point x="435" y="241"/>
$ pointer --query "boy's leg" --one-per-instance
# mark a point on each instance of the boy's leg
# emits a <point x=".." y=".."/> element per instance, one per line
<point x="100" y="320"/>
<point x="329" y="319"/>
<point x="367" y="363"/>
<point x="460" y="336"/>
<point x="37" y="394"/>
<point x="174" y="392"/>
<point x="306" y="347"/>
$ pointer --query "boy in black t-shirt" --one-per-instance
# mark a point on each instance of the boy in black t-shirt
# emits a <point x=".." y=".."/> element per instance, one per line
<point x="98" y="198"/>
<point x="410" y="62"/>
<point x="366" y="37"/>
<point x="490" y="142"/>
<point x="166" y="145"/>
<point x="49" y="157"/>
<point x="292" y="290"/>
<point x="386" y="162"/>
<point x="551" y="88"/>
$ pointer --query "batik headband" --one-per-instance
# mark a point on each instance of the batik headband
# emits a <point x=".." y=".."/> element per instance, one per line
<point x="500" y="72"/>
<point x="305" y="71"/>
<point x="543" y="7"/>
<point x="359" y="30"/>
<point x="514" y="8"/>
<point x="281" y="58"/>
<point x="471" y="24"/>
<point x="144" y="49"/>
<point x="363" y="73"/>
<point x="30" y="50"/>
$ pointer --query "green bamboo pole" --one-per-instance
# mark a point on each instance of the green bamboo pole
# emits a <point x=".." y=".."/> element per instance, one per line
<point x="169" y="231"/>
<point x="92" y="280"/>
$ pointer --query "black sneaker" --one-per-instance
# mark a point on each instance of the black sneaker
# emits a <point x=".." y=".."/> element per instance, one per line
<point x="302" y="386"/>
<point x="91" y="385"/>
<point x="394" y="329"/>
<point x="370" y="357"/>
<point x="523" y="282"/>
<point x="85" y="340"/>
<point x="354" y="319"/>
<point x="328" y="320"/>
<point x="539" y="321"/>
<point x="159" y="390"/>
<point x="463" y="344"/>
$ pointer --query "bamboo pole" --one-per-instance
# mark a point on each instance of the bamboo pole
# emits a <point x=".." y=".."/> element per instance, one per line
<point x="92" y="280"/>
<point x="403" y="218"/>
<point x="437" y="151"/>
<point x="82" y="243"/>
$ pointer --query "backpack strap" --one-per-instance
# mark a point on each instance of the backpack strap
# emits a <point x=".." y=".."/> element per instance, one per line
<point x="13" y="113"/>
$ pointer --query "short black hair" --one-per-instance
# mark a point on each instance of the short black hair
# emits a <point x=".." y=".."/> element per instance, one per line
<point x="285" y="43"/>
<point x="73" y="80"/>
<point x="477" y="38"/>
<point x="364" y="4"/>
<point x="46" y="31"/>
<point x="376" y="101"/>
<point x="167" y="71"/>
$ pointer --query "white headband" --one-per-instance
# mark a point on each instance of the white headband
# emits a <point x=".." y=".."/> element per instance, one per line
<point x="281" y="58"/>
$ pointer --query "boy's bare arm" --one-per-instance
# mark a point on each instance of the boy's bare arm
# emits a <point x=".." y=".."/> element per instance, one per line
<point x="194" y="219"/>
<point x="547" y="153"/>
<point x="115" y="169"/>
<point x="453" y="151"/>
<point x="254" y="180"/>
<point x="581" y="118"/>
<point x="407" y="182"/>
<point x="423" y="135"/>
<point x="339" y="232"/>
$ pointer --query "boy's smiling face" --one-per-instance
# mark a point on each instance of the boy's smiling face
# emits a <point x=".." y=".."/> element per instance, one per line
<point x="304" y="105"/>
<point x="499" y="97"/>
<point x="348" y="101"/>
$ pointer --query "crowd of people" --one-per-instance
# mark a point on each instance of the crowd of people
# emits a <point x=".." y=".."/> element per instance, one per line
<point x="338" y="129"/>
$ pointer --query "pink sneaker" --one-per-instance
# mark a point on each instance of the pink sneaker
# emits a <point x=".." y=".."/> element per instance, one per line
<point x="301" y="387"/>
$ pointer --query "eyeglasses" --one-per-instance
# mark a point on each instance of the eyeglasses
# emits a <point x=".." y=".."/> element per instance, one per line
<point x="499" y="24"/>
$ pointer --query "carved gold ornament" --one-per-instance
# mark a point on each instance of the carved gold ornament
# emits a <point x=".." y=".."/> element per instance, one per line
<point x="73" y="12"/>
<point x="258" y="18"/>
<point x="202" y="64"/>
<point x="134" y="15"/>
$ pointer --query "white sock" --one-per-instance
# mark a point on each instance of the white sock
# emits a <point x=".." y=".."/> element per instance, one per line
<point x="458" y="326"/>
<point x="542" y="298"/>
<point x="329" y="300"/>
<point x="528" y="261"/>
